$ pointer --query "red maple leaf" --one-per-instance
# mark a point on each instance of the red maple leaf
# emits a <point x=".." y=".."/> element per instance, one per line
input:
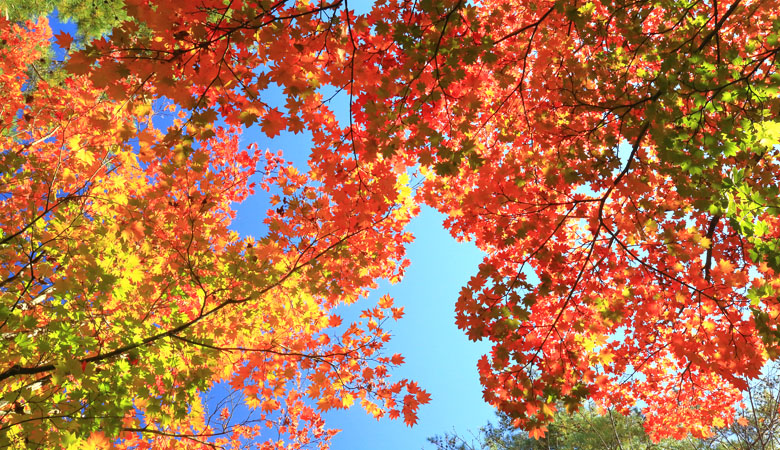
<point x="63" y="39"/>
<point x="273" y="122"/>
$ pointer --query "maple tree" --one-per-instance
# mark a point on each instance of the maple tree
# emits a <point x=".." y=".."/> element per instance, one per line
<point x="616" y="160"/>
<point x="625" y="155"/>
<point x="126" y="297"/>
<point x="627" y="158"/>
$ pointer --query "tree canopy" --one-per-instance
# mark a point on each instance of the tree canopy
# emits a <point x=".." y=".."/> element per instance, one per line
<point x="616" y="160"/>
<point x="126" y="296"/>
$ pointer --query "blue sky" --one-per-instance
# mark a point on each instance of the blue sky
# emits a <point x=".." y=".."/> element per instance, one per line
<point x="438" y="355"/>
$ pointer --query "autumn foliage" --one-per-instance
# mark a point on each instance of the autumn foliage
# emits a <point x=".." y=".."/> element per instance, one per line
<point x="617" y="161"/>
<point x="126" y="295"/>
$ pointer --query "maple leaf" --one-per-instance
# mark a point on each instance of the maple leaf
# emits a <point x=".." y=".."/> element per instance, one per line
<point x="269" y="405"/>
<point x="385" y="302"/>
<point x="537" y="432"/>
<point x="423" y="397"/>
<point x="273" y="122"/>
<point x="97" y="441"/>
<point x="64" y="40"/>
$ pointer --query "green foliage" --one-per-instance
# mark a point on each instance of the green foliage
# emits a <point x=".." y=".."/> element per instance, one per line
<point x="94" y="18"/>
<point x="585" y="429"/>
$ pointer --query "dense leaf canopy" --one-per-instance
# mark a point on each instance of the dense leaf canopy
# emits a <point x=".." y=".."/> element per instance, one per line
<point x="617" y="161"/>
<point x="126" y="296"/>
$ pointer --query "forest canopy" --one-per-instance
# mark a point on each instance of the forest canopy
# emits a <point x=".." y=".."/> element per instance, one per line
<point x="617" y="162"/>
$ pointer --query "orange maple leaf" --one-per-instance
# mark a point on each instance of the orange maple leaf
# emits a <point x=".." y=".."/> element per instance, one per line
<point x="423" y="397"/>
<point x="97" y="441"/>
<point x="270" y="405"/>
<point x="385" y="302"/>
<point x="537" y="432"/>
